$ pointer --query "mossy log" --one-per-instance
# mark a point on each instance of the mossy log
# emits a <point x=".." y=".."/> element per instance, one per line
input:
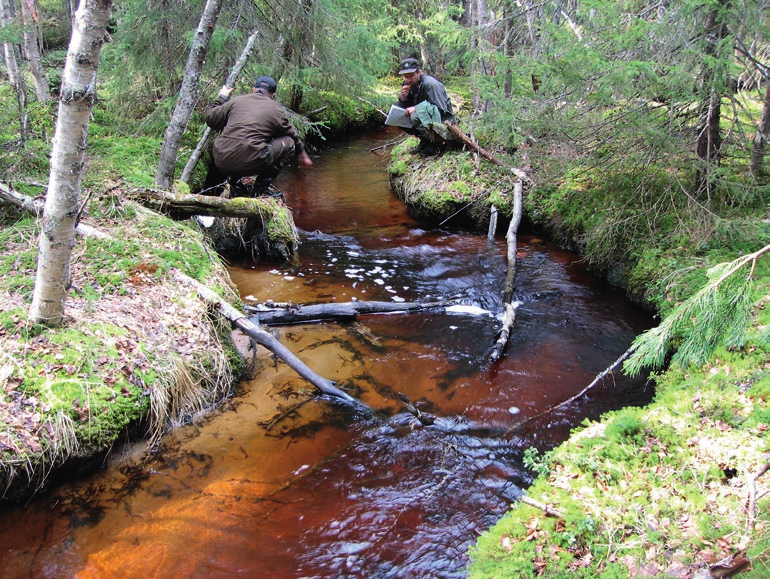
<point x="261" y="226"/>
<point x="182" y="205"/>
<point x="178" y="204"/>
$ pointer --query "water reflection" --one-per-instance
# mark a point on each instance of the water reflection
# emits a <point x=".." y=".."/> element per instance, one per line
<point x="283" y="484"/>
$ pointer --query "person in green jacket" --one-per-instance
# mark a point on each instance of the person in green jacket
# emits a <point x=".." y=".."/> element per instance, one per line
<point x="426" y="101"/>
<point x="256" y="138"/>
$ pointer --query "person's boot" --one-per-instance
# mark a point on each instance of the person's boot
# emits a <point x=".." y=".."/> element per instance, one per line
<point x="237" y="188"/>
<point x="419" y="148"/>
<point x="430" y="150"/>
<point x="263" y="183"/>
<point x="260" y="188"/>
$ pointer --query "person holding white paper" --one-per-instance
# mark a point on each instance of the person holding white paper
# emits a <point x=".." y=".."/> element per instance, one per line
<point x="425" y="101"/>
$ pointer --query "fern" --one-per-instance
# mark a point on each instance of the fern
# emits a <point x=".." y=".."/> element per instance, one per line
<point x="718" y="313"/>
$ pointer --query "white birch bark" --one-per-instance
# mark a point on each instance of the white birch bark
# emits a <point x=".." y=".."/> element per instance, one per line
<point x="30" y="19"/>
<point x="9" y="52"/>
<point x="76" y="100"/>
<point x="188" y="95"/>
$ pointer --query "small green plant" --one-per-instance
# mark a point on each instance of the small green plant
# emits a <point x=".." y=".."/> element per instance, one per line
<point x="536" y="462"/>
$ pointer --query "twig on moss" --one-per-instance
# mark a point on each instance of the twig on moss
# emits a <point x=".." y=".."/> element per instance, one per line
<point x="751" y="502"/>
<point x="548" y="510"/>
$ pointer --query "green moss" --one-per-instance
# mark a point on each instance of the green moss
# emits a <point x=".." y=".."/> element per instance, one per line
<point x="461" y="188"/>
<point x="83" y="376"/>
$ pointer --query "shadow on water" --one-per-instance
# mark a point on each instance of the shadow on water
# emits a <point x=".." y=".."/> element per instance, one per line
<point x="280" y="483"/>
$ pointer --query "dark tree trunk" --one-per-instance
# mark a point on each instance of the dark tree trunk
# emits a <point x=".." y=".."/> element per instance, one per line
<point x="709" y="137"/>
<point x="761" y="137"/>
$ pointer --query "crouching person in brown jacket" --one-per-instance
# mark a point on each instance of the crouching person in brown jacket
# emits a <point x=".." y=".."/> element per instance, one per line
<point x="257" y="139"/>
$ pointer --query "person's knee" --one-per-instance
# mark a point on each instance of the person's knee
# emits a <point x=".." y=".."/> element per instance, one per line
<point x="281" y="149"/>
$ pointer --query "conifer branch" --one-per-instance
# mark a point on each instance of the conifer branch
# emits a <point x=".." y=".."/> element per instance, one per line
<point x="718" y="313"/>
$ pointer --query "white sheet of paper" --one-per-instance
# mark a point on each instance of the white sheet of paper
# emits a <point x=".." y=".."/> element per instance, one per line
<point x="398" y="117"/>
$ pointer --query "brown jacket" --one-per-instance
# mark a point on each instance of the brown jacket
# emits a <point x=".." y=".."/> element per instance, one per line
<point x="248" y="124"/>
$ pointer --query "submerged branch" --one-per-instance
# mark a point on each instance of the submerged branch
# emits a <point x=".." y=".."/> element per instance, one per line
<point x="510" y="275"/>
<point x="571" y="399"/>
<point x="265" y="339"/>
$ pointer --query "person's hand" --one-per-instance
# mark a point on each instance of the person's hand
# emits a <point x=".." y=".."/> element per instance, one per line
<point x="405" y="92"/>
<point x="304" y="159"/>
<point x="409" y="111"/>
<point x="225" y="91"/>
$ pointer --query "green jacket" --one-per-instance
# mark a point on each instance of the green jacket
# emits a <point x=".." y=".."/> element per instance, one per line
<point x="431" y="90"/>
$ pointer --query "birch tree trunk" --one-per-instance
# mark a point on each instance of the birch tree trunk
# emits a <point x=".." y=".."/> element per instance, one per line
<point x="9" y="56"/>
<point x="188" y="95"/>
<point x="76" y="100"/>
<point x="30" y="20"/>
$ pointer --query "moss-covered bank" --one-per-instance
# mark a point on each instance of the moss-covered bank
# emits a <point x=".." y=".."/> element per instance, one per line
<point x="137" y="354"/>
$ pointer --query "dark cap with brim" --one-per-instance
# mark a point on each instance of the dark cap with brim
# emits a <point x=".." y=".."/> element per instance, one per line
<point x="408" y="65"/>
<point x="266" y="83"/>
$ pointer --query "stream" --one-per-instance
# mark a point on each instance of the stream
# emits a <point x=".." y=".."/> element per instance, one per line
<point x="281" y="483"/>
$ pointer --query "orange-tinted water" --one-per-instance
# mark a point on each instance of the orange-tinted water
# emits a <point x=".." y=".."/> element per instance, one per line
<point x="281" y="483"/>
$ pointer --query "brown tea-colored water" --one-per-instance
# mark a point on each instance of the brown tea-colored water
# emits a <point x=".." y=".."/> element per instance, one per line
<point x="282" y="483"/>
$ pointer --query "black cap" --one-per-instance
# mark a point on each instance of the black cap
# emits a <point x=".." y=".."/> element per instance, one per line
<point x="266" y="83"/>
<point x="408" y="65"/>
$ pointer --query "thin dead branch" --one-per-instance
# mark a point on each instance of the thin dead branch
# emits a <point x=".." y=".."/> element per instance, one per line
<point x="260" y="336"/>
<point x="547" y="509"/>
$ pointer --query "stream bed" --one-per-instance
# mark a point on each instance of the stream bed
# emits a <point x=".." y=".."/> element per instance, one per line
<point x="279" y="482"/>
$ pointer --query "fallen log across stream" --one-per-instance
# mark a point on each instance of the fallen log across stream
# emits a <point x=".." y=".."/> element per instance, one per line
<point x="271" y="313"/>
<point x="266" y="339"/>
